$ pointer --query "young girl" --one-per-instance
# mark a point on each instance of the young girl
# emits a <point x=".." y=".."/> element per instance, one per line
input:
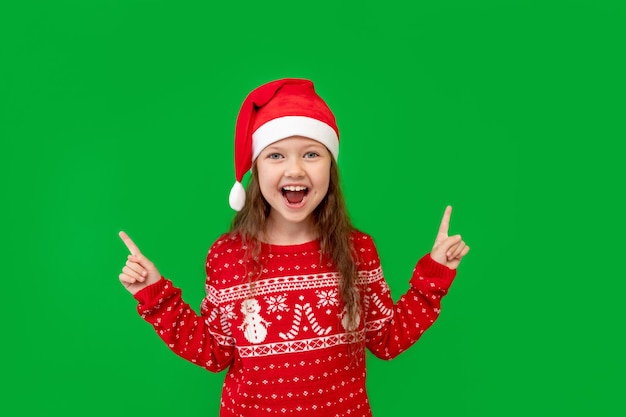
<point x="294" y="293"/>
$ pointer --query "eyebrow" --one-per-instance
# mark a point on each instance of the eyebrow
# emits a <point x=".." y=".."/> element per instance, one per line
<point x="277" y="148"/>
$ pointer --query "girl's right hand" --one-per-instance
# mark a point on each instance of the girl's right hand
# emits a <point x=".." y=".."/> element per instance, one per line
<point x="138" y="272"/>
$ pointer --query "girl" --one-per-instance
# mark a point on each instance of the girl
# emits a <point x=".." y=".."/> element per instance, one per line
<point x="294" y="293"/>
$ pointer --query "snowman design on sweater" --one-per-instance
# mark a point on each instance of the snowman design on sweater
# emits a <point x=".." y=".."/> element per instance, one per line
<point x="254" y="326"/>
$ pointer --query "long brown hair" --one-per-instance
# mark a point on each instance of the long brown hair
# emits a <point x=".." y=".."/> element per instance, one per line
<point x="333" y="228"/>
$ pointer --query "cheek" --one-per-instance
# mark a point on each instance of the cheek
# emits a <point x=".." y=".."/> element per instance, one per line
<point x="267" y="183"/>
<point x="323" y="180"/>
<point x="263" y="187"/>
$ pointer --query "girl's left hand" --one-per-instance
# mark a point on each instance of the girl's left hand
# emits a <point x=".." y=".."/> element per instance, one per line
<point x="448" y="250"/>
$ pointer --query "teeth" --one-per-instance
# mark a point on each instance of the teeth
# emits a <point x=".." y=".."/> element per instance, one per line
<point x="294" y="188"/>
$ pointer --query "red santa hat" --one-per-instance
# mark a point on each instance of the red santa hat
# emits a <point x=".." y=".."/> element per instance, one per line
<point x="274" y="111"/>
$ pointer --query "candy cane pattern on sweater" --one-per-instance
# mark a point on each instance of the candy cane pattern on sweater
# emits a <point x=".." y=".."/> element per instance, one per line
<point x="226" y="313"/>
<point x="385" y="311"/>
<point x="295" y="327"/>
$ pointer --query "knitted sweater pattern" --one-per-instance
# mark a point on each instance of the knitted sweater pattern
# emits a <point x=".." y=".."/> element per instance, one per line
<point x="283" y="337"/>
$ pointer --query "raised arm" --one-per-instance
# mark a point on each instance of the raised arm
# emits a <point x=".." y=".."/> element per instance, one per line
<point x="199" y="338"/>
<point x="393" y="328"/>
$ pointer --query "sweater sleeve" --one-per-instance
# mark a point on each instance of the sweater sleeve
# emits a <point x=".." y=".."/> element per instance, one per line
<point x="198" y="338"/>
<point x="393" y="328"/>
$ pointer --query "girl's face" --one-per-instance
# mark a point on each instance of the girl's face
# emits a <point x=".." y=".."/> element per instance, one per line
<point x="294" y="175"/>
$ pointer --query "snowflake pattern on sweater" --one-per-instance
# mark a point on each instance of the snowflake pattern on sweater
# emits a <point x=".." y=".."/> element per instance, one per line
<point x="283" y="338"/>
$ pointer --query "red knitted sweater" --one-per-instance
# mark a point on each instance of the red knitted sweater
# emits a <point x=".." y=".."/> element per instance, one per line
<point x="283" y="340"/>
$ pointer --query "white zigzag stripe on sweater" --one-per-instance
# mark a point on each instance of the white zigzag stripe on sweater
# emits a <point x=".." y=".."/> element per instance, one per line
<point x="287" y="284"/>
<point x="221" y="339"/>
<point x="300" y="345"/>
<point x="377" y="324"/>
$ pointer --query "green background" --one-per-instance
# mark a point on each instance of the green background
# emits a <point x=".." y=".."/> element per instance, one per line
<point x="119" y="115"/>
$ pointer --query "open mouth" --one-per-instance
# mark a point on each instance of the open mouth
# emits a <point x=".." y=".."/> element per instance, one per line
<point x="295" y="194"/>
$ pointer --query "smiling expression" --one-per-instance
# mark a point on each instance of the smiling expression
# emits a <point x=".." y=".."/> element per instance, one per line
<point x="294" y="175"/>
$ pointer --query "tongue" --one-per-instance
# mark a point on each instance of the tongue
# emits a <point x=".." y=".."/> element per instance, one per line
<point x="294" y="197"/>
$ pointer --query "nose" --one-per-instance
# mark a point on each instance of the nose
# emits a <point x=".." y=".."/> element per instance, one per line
<point x="294" y="168"/>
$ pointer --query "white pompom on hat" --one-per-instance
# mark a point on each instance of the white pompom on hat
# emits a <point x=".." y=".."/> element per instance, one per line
<point x="274" y="111"/>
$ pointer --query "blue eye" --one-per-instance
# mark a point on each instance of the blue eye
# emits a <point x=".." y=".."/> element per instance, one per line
<point x="274" y="156"/>
<point x="311" y="155"/>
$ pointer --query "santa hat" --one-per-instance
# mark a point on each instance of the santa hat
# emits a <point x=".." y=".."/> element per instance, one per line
<point x="275" y="111"/>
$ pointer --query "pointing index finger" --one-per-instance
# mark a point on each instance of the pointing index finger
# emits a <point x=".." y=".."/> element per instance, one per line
<point x="445" y="221"/>
<point x="134" y="250"/>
